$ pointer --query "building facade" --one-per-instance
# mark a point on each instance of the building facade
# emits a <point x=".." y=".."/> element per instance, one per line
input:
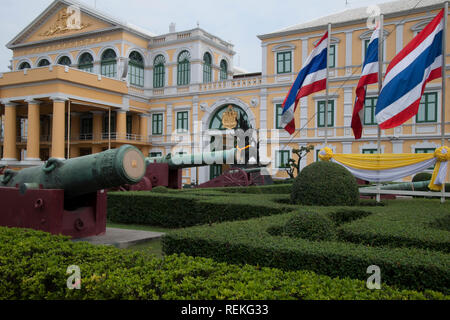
<point x="81" y="82"/>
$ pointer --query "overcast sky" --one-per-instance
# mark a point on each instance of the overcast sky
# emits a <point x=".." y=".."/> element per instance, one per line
<point x="236" y="21"/>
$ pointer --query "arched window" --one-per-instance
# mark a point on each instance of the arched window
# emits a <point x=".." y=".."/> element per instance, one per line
<point x="24" y="65"/>
<point x="184" y="68"/>
<point x="43" y="63"/>
<point x="109" y="64"/>
<point x="64" y="61"/>
<point x="159" y="72"/>
<point x="136" y="69"/>
<point x="241" y="118"/>
<point x="207" y="71"/>
<point x="86" y="62"/>
<point x="223" y="70"/>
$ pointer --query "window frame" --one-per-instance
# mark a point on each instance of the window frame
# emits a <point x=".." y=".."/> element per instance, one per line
<point x="425" y="104"/>
<point x="87" y="67"/>
<point x="108" y="66"/>
<point x="183" y="119"/>
<point x="373" y="109"/>
<point x="280" y="155"/>
<point x="207" y="68"/>
<point x="184" y="69"/>
<point x="223" y="70"/>
<point x="136" y="70"/>
<point x="330" y="102"/>
<point x="333" y="65"/>
<point x="159" y="72"/>
<point x="157" y="118"/>
<point x="285" y="62"/>
<point x="278" y="107"/>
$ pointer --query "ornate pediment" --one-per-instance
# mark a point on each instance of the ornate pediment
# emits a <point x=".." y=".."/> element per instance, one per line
<point x="68" y="20"/>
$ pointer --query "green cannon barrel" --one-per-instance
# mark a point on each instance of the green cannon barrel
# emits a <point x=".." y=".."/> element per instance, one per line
<point x="83" y="175"/>
<point x="183" y="161"/>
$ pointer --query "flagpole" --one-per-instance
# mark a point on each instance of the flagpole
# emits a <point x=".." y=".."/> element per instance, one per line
<point x="380" y="86"/>
<point x="444" y="82"/>
<point x="326" y="94"/>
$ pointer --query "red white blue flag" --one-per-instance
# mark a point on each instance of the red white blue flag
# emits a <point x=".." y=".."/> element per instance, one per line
<point x="312" y="78"/>
<point x="369" y="75"/>
<point x="407" y="75"/>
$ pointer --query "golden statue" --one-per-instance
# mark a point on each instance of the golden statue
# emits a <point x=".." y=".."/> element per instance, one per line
<point x="229" y="118"/>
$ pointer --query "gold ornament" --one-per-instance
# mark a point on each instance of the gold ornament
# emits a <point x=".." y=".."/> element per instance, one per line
<point x="229" y="118"/>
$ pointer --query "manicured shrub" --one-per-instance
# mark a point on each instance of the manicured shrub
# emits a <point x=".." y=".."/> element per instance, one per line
<point x="442" y="223"/>
<point x="345" y="215"/>
<point x="33" y="266"/>
<point x="325" y="183"/>
<point x="312" y="226"/>
<point x="423" y="176"/>
<point x="160" y="189"/>
<point x="188" y="208"/>
<point x="397" y="238"/>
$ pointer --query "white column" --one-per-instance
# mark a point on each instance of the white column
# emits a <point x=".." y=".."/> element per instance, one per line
<point x="399" y="37"/>
<point x="348" y="52"/>
<point x="263" y="109"/>
<point x="348" y="110"/>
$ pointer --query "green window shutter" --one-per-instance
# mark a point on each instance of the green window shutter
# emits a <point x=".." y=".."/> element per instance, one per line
<point x="284" y="62"/>
<point x="223" y="70"/>
<point x="332" y="56"/>
<point x="86" y="62"/>
<point x="184" y="68"/>
<point x="207" y="69"/>
<point x="321" y="114"/>
<point x="109" y="64"/>
<point x="369" y="111"/>
<point x="370" y="151"/>
<point x="182" y="121"/>
<point x="282" y="159"/>
<point x="157" y="124"/>
<point x="428" y="108"/>
<point x="279" y="113"/>
<point x="159" y="72"/>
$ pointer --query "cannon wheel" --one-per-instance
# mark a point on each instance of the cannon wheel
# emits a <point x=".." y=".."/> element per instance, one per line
<point x="236" y="178"/>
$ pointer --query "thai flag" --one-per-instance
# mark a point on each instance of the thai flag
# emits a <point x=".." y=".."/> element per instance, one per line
<point x="369" y="75"/>
<point x="312" y="78"/>
<point x="407" y="75"/>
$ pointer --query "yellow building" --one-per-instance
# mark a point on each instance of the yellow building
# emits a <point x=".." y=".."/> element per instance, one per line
<point x="82" y="82"/>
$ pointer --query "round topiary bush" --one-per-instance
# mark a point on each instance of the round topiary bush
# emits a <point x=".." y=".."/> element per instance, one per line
<point x="311" y="226"/>
<point x="325" y="183"/>
<point x="423" y="176"/>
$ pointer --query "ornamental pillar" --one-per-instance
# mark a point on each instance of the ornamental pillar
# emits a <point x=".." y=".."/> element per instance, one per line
<point x="10" y="134"/>
<point x="58" y="127"/>
<point x="34" y="130"/>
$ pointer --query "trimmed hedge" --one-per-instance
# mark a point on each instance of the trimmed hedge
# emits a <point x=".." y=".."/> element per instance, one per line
<point x="325" y="183"/>
<point x="285" y="188"/>
<point x="412" y="223"/>
<point x="312" y="226"/>
<point x="33" y="266"/>
<point x="184" y="209"/>
<point x="251" y="242"/>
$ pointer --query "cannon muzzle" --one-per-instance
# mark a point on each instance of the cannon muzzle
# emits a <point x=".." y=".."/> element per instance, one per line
<point x="83" y="175"/>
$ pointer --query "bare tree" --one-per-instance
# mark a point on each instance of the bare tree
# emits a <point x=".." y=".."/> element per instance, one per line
<point x="293" y="165"/>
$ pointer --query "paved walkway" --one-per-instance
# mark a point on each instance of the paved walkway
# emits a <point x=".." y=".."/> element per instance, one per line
<point x="122" y="238"/>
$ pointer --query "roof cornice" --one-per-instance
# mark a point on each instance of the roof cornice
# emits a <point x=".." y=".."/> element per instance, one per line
<point x="348" y="23"/>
